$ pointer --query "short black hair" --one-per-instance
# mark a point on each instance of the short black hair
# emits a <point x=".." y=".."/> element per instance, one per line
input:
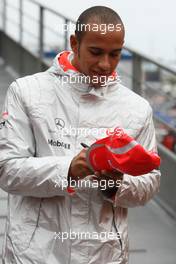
<point x="102" y="14"/>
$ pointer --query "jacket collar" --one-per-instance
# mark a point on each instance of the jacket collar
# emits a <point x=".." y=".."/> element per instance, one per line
<point x="62" y="67"/>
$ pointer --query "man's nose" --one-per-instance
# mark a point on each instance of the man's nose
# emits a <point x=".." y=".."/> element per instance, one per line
<point x="104" y="63"/>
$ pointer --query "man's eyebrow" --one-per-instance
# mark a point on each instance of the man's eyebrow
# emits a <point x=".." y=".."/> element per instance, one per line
<point x="95" y="48"/>
<point x="99" y="49"/>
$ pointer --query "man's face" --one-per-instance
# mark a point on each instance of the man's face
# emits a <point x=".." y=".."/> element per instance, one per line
<point x="98" y="54"/>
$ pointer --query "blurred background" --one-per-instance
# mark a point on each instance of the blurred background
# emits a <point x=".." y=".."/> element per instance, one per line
<point x="33" y="32"/>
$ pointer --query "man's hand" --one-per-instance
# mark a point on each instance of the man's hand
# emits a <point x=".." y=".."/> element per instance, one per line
<point x="79" y="170"/>
<point x="78" y="167"/>
<point x="113" y="176"/>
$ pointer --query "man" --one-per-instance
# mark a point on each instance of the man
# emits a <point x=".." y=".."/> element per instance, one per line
<point x="50" y="222"/>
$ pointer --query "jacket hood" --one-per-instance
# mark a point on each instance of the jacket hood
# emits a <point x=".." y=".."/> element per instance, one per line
<point x="63" y="69"/>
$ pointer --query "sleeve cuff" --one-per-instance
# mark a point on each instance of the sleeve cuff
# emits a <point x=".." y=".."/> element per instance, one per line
<point x="63" y="166"/>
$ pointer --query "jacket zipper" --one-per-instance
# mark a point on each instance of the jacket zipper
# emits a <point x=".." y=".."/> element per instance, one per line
<point x="118" y="234"/>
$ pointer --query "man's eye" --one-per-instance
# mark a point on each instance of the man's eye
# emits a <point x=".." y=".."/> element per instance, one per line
<point x="95" y="53"/>
<point x="115" y="54"/>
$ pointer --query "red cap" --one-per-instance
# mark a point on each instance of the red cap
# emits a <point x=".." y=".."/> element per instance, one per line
<point x="121" y="152"/>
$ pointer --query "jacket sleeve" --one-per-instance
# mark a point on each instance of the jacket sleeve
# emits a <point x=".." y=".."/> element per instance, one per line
<point x="138" y="190"/>
<point x="20" y="171"/>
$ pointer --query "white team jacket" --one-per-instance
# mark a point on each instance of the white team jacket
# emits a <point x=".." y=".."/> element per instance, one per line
<point x="34" y="160"/>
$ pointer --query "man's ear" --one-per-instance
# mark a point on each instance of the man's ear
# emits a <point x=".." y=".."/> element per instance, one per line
<point x="74" y="44"/>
